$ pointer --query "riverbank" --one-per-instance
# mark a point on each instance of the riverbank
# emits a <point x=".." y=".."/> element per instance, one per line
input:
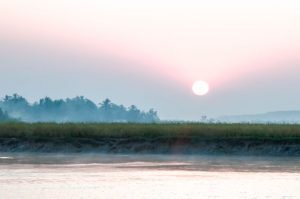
<point x="240" y="139"/>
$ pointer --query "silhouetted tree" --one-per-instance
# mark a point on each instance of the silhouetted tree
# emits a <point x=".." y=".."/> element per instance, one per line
<point x="134" y="114"/>
<point x="151" y="116"/>
<point x="16" y="105"/>
<point x="78" y="109"/>
<point x="106" y="110"/>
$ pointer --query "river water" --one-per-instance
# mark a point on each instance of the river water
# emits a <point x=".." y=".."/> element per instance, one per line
<point x="147" y="176"/>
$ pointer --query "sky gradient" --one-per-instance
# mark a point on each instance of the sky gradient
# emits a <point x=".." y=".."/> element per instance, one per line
<point x="150" y="53"/>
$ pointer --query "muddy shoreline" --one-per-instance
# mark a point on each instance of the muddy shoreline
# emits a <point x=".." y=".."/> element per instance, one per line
<point x="163" y="145"/>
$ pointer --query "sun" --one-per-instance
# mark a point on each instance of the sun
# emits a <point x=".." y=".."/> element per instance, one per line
<point x="200" y="88"/>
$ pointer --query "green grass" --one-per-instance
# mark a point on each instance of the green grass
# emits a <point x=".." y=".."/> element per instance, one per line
<point x="206" y="131"/>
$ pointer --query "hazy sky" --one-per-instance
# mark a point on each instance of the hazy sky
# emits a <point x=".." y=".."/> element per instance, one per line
<point x="149" y="53"/>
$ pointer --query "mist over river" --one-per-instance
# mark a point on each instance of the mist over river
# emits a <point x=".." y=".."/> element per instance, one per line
<point x="92" y="175"/>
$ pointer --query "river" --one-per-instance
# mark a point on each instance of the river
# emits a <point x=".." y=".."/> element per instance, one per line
<point x="34" y="175"/>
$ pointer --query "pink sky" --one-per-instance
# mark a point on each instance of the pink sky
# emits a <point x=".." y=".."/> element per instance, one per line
<point x="217" y="41"/>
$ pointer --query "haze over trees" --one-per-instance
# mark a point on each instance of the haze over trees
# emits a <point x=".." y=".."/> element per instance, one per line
<point x="4" y="116"/>
<point x="77" y="109"/>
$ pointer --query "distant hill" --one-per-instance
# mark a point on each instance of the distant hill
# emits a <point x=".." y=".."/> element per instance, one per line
<point x="270" y="117"/>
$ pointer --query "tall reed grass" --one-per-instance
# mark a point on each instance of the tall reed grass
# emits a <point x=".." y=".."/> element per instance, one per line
<point x="199" y="130"/>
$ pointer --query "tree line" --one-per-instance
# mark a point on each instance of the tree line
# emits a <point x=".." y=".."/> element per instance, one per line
<point x="77" y="109"/>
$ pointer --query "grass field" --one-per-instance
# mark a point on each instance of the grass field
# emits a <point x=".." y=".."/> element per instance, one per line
<point x="241" y="139"/>
<point x="209" y="131"/>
